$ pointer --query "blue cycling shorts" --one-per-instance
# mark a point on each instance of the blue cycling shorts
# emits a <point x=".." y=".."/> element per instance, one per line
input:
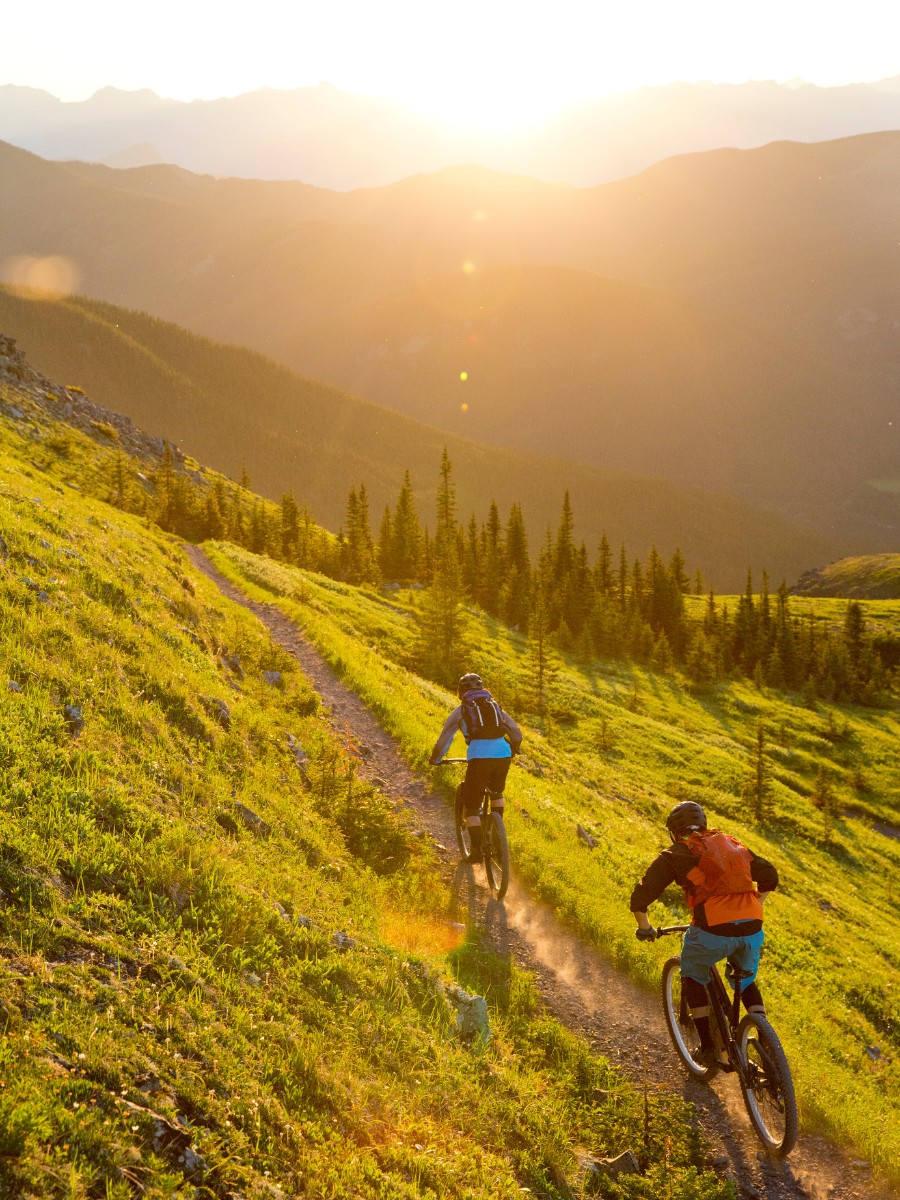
<point x="701" y="950"/>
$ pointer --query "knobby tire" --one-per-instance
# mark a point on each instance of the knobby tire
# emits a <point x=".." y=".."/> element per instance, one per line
<point x="679" y="1022"/>
<point x="496" y="854"/>
<point x="463" y="838"/>
<point x="768" y="1088"/>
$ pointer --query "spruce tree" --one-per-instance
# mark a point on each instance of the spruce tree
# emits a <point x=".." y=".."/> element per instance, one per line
<point x="442" y="642"/>
<point x="758" y="784"/>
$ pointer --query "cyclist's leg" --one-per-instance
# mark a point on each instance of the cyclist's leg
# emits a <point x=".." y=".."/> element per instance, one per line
<point x="499" y="769"/>
<point x="476" y="780"/>
<point x="699" y="951"/>
<point x="746" y="956"/>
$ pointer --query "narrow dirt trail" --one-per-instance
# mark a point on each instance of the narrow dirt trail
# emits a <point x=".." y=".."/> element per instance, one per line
<point x="582" y="989"/>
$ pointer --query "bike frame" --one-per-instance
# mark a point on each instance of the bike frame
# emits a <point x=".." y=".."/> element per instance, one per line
<point x="727" y="1013"/>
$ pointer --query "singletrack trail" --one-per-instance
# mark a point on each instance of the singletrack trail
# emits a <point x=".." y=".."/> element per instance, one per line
<point x="583" y="990"/>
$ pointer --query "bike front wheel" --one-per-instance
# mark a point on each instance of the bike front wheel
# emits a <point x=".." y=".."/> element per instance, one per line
<point x="496" y="854"/>
<point x="679" y="1021"/>
<point x="463" y="837"/>
<point x="767" y="1085"/>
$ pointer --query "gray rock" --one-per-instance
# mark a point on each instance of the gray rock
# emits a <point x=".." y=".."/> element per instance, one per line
<point x="13" y="686"/>
<point x="622" y="1164"/>
<point x="343" y="941"/>
<point x="590" y="842"/>
<point x="303" y="922"/>
<point x="472" y="1025"/>
<point x="274" y="678"/>
<point x="282" y="911"/>
<point x="74" y="719"/>
<point x="251" y="820"/>
<point x="191" y="1162"/>
<point x="233" y="663"/>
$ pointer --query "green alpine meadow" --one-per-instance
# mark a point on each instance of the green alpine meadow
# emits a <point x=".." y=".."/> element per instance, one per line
<point x="227" y="966"/>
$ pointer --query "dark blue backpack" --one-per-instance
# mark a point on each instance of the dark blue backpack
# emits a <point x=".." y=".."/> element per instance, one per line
<point x="482" y="715"/>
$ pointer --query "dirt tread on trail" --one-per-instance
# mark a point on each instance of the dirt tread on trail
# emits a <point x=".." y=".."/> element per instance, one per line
<point x="581" y="989"/>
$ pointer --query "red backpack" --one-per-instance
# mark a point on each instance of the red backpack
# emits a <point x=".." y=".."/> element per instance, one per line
<point x="722" y="869"/>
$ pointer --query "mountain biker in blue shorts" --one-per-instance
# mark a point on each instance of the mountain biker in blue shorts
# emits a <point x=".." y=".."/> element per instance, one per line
<point x="725" y="885"/>
<point x="492" y="738"/>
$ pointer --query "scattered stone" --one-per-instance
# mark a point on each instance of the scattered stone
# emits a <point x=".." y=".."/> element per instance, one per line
<point x="274" y="678"/>
<point x="343" y="941"/>
<point x="379" y="782"/>
<point x="304" y="922"/>
<point x="191" y="1162"/>
<point x="301" y="758"/>
<point x="74" y="719"/>
<point x="282" y="911"/>
<point x="148" y="1084"/>
<point x="825" y="905"/>
<point x="860" y="1164"/>
<point x="472" y="1024"/>
<point x="252" y="978"/>
<point x="13" y="686"/>
<point x="217" y="709"/>
<point x="43" y="597"/>
<point x="611" y="1168"/>
<point x="233" y="663"/>
<point x="250" y="819"/>
<point x="590" y="842"/>
<point x="874" y="1052"/>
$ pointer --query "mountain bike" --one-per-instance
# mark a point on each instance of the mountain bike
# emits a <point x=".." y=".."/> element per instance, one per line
<point x="493" y="836"/>
<point x="747" y="1045"/>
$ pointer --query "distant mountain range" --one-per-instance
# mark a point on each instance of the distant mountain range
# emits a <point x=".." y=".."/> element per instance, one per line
<point x="233" y="409"/>
<point x="724" y="320"/>
<point x="337" y="139"/>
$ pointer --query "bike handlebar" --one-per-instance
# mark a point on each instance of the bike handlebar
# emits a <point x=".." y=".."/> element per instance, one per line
<point x="443" y="762"/>
<point x="667" y="929"/>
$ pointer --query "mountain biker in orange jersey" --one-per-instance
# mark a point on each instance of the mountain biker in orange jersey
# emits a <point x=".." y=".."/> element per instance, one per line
<point x="725" y="885"/>
<point x="492" y="738"/>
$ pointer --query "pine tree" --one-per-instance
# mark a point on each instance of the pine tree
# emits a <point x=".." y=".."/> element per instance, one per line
<point x="407" y="545"/>
<point x="442" y="640"/>
<point x="758" y="785"/>
<point x="826" y="802"/>
<point x="541" y="667"/>
<point x="386" y="563"/>
<point x="290" y="527"/>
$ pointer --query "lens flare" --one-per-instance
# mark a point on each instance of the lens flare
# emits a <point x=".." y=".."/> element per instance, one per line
<point x="468" y="267"/>
<point x="464" y="407"/>
<point x="51" y="276"/>
<point x="463" y="376"/>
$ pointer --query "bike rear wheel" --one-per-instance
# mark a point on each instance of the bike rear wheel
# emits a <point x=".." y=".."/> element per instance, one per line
<point x="679" y="1021"/>
<point x="496" y="854"/>
<point x="463" y="836"/>
<point x="767" y="1085"/>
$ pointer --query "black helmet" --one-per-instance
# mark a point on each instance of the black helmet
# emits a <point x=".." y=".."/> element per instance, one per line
<point x="467" y="683"/>
<point x="685" y="818"/>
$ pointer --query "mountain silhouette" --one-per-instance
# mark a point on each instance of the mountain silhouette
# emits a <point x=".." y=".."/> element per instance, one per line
<point x="337" y="139"/>
<point x="723" y="319"/>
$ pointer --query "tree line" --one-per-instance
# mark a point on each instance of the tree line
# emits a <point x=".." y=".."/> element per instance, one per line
<point x="609" y="606"/>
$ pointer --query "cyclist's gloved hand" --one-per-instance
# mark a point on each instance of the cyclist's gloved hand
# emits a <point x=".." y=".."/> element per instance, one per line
<point x="645" y="935"/>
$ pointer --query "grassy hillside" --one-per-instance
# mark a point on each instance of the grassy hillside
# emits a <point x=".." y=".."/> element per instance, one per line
<point x="224" y="961"/>
<point x="778" y="258"/>
<point x="618" y="748"/>
<point x="232" y="408"/>
<point x="872" y="576"/>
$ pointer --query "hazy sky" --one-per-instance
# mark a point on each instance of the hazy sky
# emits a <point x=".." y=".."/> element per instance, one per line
<point x="491" y="62"/>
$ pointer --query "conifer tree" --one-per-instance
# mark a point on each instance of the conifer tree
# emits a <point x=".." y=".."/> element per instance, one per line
<point x="407" y="543"/>
<point x="442" y="641"/>
<point x="758" y="785"/>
